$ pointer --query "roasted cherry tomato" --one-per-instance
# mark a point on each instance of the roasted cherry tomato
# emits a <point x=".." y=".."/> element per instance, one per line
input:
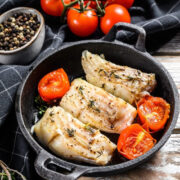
<point x="53" y="7"/>
<point x="153" y="112"/>
<point x="113" y="14"/>
<point x="125" y="3"/>
<point x="134" y="141"/>
<point x="82" y="23"/>
<point x="53" y="85"/>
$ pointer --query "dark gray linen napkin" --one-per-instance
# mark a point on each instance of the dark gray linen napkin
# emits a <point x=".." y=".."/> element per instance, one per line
<point x="159" y="18"/>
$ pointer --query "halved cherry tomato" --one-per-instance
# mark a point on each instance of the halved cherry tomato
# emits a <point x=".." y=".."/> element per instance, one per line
<point x="53" y="7"/>
<point x="125" y="3"/>
<point x="53" y="85"/>
<point x="134" y="141"/>
<point x="82" y="23"/>
<point x="113" y="14"/>
<point x="153" y="112"/>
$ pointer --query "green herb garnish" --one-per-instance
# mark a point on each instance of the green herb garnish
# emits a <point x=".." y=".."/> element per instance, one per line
<point x="81" y="90"/>
<point x="7" y="173"/>
<point x="70" y="132"/>
<point x="99" y="153"/>
<point x="115" y="75"/>
<point x="51" y="113"/>
<point x="92" y="105"/>
<point x="102" y="70"/>
<point x="40" y="105"/>
<point x="130" y="78"/>
<point x="89" y="128"/>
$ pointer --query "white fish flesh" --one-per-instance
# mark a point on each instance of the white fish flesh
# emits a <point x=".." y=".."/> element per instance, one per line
<point x="122" y="81"/>
<point x="98" y="108"/>
<point x="68" y="137"/>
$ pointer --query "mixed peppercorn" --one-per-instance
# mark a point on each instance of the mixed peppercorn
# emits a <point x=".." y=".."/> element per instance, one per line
<point x="17" y="30"/>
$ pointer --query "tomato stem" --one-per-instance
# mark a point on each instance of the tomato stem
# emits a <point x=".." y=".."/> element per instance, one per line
<point x="81" y="3"/>
<point x="66" y="7"/>
<point x="100" y="11"/>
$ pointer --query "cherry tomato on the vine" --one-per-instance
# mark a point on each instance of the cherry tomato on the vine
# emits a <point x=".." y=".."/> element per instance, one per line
<point x="113" y="14"/>
<point x="53" y="7"/>
<point x="125" y="3"/>
<point x="93" y="4"/>
<point x="82" y="23"/>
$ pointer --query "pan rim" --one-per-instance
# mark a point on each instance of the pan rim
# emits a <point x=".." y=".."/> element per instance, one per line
<point x="109" y="168"/>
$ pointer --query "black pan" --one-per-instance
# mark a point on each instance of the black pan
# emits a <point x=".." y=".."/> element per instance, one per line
<point x="69" y="57"/>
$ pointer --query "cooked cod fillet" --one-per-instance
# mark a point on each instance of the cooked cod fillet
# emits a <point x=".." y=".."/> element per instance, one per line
<point x="122" y="81"/>
<point x="68" y="137"/>
<point x="98" y="108"/>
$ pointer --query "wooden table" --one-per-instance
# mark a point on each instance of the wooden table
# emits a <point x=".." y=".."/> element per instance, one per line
<point x="165" y="165"/>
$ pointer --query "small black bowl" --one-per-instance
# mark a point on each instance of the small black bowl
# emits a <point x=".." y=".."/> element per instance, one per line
<point x="69" y="57"/>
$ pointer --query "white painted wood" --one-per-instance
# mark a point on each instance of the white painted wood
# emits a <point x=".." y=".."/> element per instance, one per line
<point x="172" y="64"/>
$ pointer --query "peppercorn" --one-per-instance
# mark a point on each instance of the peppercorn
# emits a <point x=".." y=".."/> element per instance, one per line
<point x="17" y="30"/>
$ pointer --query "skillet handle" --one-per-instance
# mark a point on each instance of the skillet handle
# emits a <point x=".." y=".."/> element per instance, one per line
<point x="140" y="44"/>
<point x="42" y="161"/>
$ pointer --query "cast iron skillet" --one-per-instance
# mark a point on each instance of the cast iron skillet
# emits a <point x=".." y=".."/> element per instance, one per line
<point x="69" y="57"/>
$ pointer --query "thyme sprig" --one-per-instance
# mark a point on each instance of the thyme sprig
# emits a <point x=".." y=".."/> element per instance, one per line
<point x="9" y="174"/>
<point x="40" y="105"/>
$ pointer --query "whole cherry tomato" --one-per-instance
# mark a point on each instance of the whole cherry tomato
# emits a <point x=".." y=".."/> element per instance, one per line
<point x="53" y="7"/>
<point x="134" y="141"/>
<point x="114" y="13"/>
<point x="93" y="4"/>
<point x="82" y="23"/>
<point x="53" y="85"/>
<point x="153" y="112"/>
<point x="125" y="3"/>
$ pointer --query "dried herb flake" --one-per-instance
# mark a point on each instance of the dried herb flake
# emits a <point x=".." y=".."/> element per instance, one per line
<point x="70" y="132"/>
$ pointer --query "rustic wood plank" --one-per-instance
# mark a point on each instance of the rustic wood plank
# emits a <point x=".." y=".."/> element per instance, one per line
<point x="172" y="47"/>
<point x="172" y="64"/>
<point x="165" y="165"/>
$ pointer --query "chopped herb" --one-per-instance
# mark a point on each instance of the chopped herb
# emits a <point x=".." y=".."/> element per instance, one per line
<point x="92" y="105"/>
<point x="70" y="132"/>
<point x="51" y="113"/>
<point x="112" y="126"/>
<point x="40" y="105"/>
<point x="98" y="110"/>
<point x="115" y="75"/>
<point x="89" y="128"/>
<point x="130" y="78"/>
<point x="99" y="153"/>
<point x="102" y="70"/>
<point x="81" y="90"/>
